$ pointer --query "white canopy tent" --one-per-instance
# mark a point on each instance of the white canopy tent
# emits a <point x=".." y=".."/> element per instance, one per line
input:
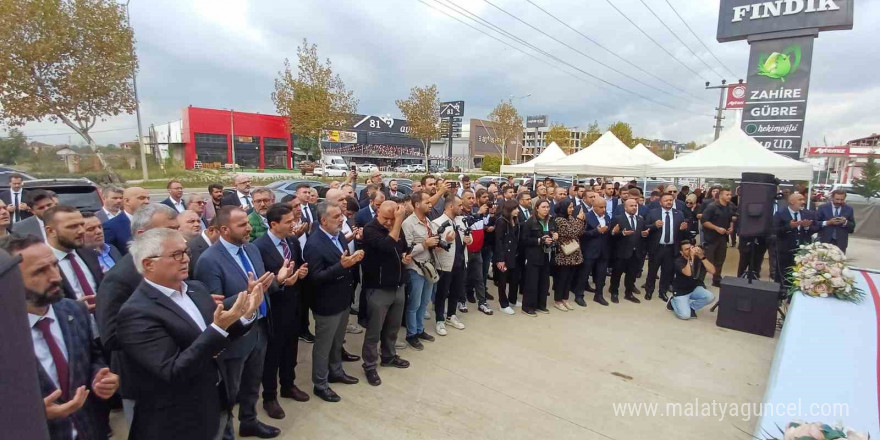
<point x="647" y="155"/>
<point x="550" y="154"/>
<point x="728" y="157"/>
<point x="608" y="156"/>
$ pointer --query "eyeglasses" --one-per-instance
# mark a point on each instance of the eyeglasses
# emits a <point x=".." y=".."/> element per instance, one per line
<point x="200" y="202"/>
<point x="689" y="203"/>
<point x="176" y="256"/>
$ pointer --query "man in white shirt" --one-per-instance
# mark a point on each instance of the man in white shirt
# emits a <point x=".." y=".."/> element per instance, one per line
<point x="15" y="199"/>
<point x="80" y="270"/>
<point x="175" y="196"/>
<point x="241" y="197"/>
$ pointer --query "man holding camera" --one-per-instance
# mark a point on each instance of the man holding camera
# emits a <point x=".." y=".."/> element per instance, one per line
<point x="474" y="285"/>
<point x="452" y="262"/>
<point x="689" y="294"/>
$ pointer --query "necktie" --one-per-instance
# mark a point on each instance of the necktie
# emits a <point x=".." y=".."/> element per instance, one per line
<point x="335" y="241"/>
<point x="632" y="222"/>
<point x="249" y="269"/>
<point x="307" y="213"/>
<point x="836" y="211"/>
<point x="247" y="200"/>
<point x="17" y="213"/>
<point x="797" y="218"/>
<point x="667" y="229"/>
<point x="57" y="357"/>
<point x="834" y="230"/>
<point x="286" y="249"/>
<point x="80" y="275"/>
<point x="526" y="213"/>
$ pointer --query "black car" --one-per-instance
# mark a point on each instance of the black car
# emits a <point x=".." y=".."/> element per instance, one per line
<point x="6" y="173"/>
<point x="81" y="193"/>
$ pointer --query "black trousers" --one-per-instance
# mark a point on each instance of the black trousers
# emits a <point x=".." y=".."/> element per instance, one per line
<point x="600" y="272"/>
<point x="282" y="348"/>
<point x="662" y="259"/>
<point x="537" y="287"/>
<point x="786" y="263"/>
<point x="450" y="289"/>
<point x="629" y="268"/>
<point x="716" y="253"/>
<point x="563" y="281"/>
<point x="508" y="286"/>
<point x="751" y="255"/>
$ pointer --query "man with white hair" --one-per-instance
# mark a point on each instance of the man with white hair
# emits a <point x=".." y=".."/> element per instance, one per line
<point x="242" y="195"/>
<point x="190" y="224"/>
<point x="196" y="202"/>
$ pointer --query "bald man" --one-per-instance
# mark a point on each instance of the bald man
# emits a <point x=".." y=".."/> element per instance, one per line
<point x="793" y="226"/>
<point x="190" y="224"/>
<point x="117" y="231"/>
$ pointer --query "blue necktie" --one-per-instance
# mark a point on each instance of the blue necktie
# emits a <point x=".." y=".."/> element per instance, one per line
<point x="249" y="269"/>
<point x="335" y="240"/>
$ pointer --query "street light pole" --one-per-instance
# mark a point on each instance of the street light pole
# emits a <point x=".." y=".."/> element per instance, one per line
<point x="719" y="115"/>
<point x="137" y="104"/>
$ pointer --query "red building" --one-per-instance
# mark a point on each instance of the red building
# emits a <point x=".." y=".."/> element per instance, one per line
<point x="250" y="140"/>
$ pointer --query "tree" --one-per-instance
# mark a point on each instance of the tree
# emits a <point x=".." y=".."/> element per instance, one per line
<point x="507" y="123"/>
<point x="691" y="145"/>
<point x="868" y="184"/>
<point x="561" y="135"/>
<point x="623" y="131"/>
<point x="492" y="163"/>
<point x="65" y="60"/>
<point x="422" y="113"/>
<point x="592" y="134"/>
<point x="13" y="147"/>
<point x="315" y="99"/>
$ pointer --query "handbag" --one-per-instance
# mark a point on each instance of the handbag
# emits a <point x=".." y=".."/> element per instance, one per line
<point x="570" y="247"/>
<point x="429" y="270"/>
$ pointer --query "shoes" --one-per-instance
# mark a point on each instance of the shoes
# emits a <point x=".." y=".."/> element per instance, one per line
<point x="516" y="304"/>
<point x="395" y="362"/>
<point x="589" y="288"/>
<point x="693" y="313"/>
<point x="489" y="296"/>
<point x="580" y="301"/>
<point x="631" y="298"/>
<point x="453" y="321"/>
<point x="348" y="357"/>
<point x="373" y="377"/>
<point x="427" y="316"/>
<point x="530" y="313"/>
<point x="716" y="283"/>
<point x="414" y="342"/>
<point x="485" y="309"/>
<point x="544" y="311"/>
<point x="345" y="379"/>
<point x="648" y="296"/>
<point x="471" y="299"/>
<point x="462" y="307"/>
<point x="560" y="306"/>
<point x="441" y="328"/>
<point x="400" y="345"/>
<point x="273" y="409"/>
<point x="257" y="429"/>
<point x="567" y="305"/>
<point x="508" y="310"/>
<point x="669" y="306"/>
<point x="637" y="291"/>
<point x="353" y="311"/>
<point x="615" y="299"/>
<point x="425" y="337"/>
<point x="600" y="299"/>
<point x="354" y="328"/>
<point x="663" y="296"/>
<point x="307" y="337"/>
<point x="295" y="394"/>
<point x="327" y="395"/>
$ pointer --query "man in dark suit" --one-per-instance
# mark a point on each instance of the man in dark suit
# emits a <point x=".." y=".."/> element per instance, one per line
<point x="112" y="196"/>
<point x="331" y="288"/>
<point x="836" y="220"/>
<point x="175" y="196"/>
<point x="116" y="287"/>
<point x="80" y="271"/>
<point x="368" y="213"/>
<point x="199" y="244"/>
<point x="629" y="253"/>
<point x="227" y="268"/>
<point x="596" y="248"/>
<point x="14" y="198"/>
<point x="794" y="226"/>
<point x="666" y="228"/>
<point x="38" y="201"/>
<point x="611" y="201"/>
<point x="279" y="248"/>
<point x="172" y="332"/>
<point x="309" y="211"/>
<point x="241" y="197"/>
<point x="117" y="231"/>
<point x="107" y="254"/>
<point x="68" y="359"/>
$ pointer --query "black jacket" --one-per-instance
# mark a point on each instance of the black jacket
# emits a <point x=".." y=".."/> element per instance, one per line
<point x="118" y="284"/>
<point x="506" y="243"/>
<point x="330" y="286"/>
<point x="656" y="233"/>
<point x="196" y="246"/>
<point x="285" y="299"/>
<point x="788" y="239"/>
<point x="382" y="268"/>
<point x="634" y="244"/>
<point x="92" y="265"/>
<point x="531" y="244"/>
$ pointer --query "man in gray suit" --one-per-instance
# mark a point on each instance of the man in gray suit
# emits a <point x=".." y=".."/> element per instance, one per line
<point x="39" y="201"/>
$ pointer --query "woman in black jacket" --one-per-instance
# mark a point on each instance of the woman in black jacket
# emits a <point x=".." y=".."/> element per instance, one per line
<point x="537" y="241"/>
<point x="506" y="244"/>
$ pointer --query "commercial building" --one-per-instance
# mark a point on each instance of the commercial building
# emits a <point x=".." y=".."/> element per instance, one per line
<point x="844" y="163"/>
<point x="535" y="140"/>
<point x="484" y="140"/>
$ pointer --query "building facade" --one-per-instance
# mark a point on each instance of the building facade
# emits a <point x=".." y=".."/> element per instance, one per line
<point x="213" y="138"/>
<point x="844" y="163"/>
<point x="535" y="140"/>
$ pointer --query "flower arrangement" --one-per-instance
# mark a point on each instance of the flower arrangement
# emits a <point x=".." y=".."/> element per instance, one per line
<point x="820" y="270"/>
<point x="819" y="431"/>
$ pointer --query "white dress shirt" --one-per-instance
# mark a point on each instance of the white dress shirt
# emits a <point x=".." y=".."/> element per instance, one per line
<point x="205" y="237"/>
<point x="346" y="229"/>
<point x="302" y="238"/>
<point x="601" y="219"/>
<point x="110" y="215"/>
<point x="187" y="305"/>
<point x="306" y="213"/>
<point x="663" y="238"/>
<point x="70" y="275"/>
<point x="12" y="197"/>
<point x="244" y="198"/>
<point x="178" y="204"/>
<point x="41" y="348"/>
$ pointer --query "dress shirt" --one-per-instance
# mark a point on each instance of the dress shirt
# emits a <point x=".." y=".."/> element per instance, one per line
<point x="205" y="237"/>
<point x="187" y="305"/>
<point x="334" y="239"/>
<point x="608" y="204"/>
<point x="302" y="238"/>
<point x="233" y="251"/>
<point x="109" y="214"/>
<point x="835" y="212"/>
<point x="277" y="242"/>
<point x="346" y="229"/>
<point x="306" y="213"/>
<point x="70" y="275"/>
<point x="105" y="259"/>
<point x="130" y="217"/>
<point x="663" y="238"/>
<point x="178" y="204"/>
<point x="13" y="196"/>
<point x="41" y="348"/>
<point x="601" y="220"/>
<point x="244" y="199"/>
<point x="799" y="217"/>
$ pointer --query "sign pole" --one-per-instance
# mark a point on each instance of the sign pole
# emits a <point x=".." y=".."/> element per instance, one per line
<point x="449" y="133"/>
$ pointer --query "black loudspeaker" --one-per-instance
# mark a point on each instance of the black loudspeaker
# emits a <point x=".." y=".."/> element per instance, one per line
<point x="748" y="306"/>
<point x="756" y="198"/>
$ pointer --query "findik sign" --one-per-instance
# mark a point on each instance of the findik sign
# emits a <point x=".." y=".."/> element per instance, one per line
<point x="740" y="18"/>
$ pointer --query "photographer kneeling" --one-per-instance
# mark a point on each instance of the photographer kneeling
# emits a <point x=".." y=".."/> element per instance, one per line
<point x="690" y="294"/>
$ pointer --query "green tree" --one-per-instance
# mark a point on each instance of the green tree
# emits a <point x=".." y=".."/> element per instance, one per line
<point x="868" y="184"/>
<point x="561" y="135"/>
<point x="422" y="113"/>
<point x="623" y="131"/>
<point x="13" y="147"/>
<point x="691" y="145"/>
<point x="592" y="134"/>
<point x="492" y="163"/>
<point x="65" y="60"/>
<point x="315" y="99"/>
<point x="507" y="124"/>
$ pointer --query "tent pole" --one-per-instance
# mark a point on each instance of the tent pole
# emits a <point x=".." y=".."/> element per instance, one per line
<point x="809" y="194"/>
<point x="534" y="181"/>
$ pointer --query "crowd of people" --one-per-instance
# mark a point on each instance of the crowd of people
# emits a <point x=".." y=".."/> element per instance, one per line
<point x="377" y="150"/>
<point x="176" y="311"/>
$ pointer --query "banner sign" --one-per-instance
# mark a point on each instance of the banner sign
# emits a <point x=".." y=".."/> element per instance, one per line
<point x="451" y="109"/>
<point x="736" y="96"/>
<point x="776" y="96"/>
<point x="536" y="121"/>
<point x="382" y="124"/>
<point x="342" y="137"/>
<point x="828" y="151"/>
<point x="737" y="19"/>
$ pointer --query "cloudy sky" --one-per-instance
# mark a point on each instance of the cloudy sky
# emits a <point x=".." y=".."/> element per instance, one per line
<point x="226" y="53"/>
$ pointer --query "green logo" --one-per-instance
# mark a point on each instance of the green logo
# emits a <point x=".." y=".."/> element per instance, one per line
<point x="751" y="129"/>
<point x="779" y="65"/>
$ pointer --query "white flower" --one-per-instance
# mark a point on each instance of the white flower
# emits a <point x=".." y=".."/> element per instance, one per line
<point x="847" y="273"/>
<point x="823" y="295"/>
<point x="826" y="275"/>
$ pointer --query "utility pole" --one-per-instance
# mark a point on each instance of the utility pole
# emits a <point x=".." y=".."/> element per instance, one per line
<point x="719" y="115"/>
<point x="137" y="103"/>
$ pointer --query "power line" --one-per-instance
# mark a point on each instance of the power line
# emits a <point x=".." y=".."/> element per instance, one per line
<point x="575" y="49"/>
<point x="558" y="60"/>
<point x="679" y="39"/>
<point x="612" y="53"/>
<point x="72" y="132"/>
<point x="729" y="70"/>
<point x="655" y="41"/>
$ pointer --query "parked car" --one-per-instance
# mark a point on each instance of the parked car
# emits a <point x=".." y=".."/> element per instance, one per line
<point x="7" y="172"/>
<point x="488" y="180"/>
<point x="417" y="168"/>
<point x="367" y="168"/>
<point x="335" y="170"/>
<point x="403" y="168"/>
<point x="282" y="188"/>
<point x="80" y="193"/>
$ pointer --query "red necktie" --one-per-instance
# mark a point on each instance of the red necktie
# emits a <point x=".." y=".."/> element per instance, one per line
<point x="57" y="357"/>
<point x="285" y="248"/>
<point x="80" y="275"/>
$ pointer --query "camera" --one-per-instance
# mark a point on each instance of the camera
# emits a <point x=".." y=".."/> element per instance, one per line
<point x="440" y="231"/>
<point x="548" y="248"/>
<point x="469" y="221"/>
